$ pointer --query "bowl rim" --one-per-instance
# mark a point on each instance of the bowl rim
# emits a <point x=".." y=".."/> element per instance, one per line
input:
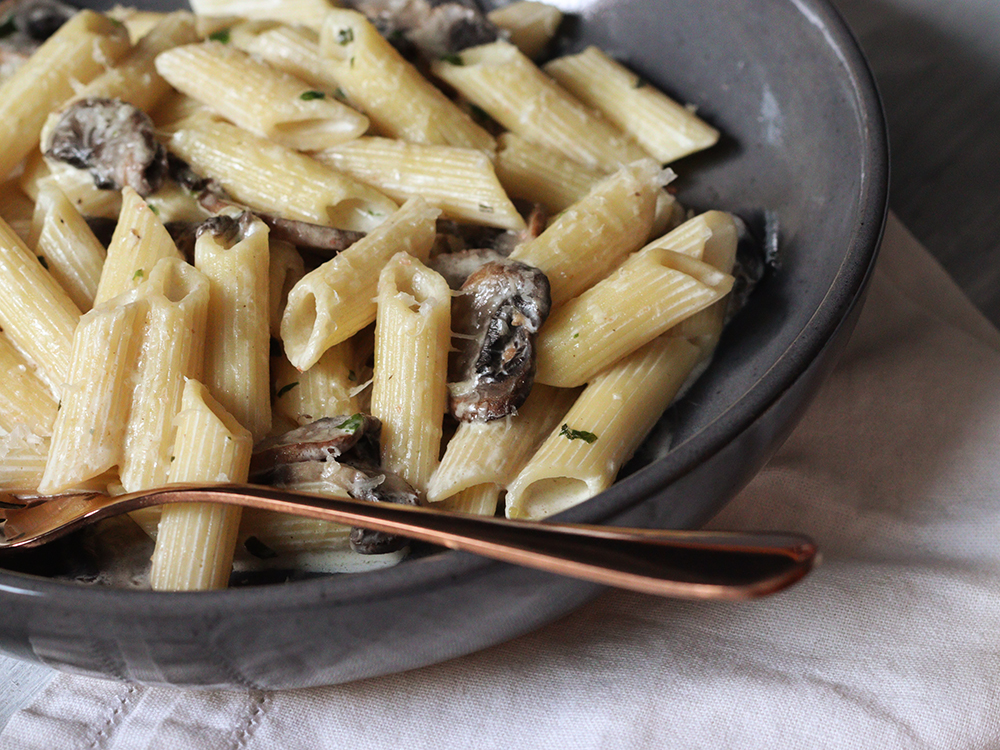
<point x="444" y="568"/>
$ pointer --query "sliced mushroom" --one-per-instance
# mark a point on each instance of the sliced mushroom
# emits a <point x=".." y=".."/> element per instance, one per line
<point x="25" y="25"/>
<point x="454" y="237"/>
<point x="227" y="230"/>
<point x="337" y="452"/>
<point x="114" y="141"/>
<point x="435" y="29"/>
<point x="496" y="317"/>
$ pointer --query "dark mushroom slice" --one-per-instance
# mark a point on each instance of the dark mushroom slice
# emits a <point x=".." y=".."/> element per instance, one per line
<point x="496" y="317"/>
<point x="338" y="452"/>
<point x="435" y="29"/>
<point x="114" y="141"/>
<point x="227" y="230"/>
<point x="24" y="26"/>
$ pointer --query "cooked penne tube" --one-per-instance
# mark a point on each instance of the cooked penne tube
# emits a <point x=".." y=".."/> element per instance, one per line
<point x="664" y="128"/>
<point x="400" y="102"/>
<point x="77" y="52"/>
<point x="64" y="239"/>
<point x="305" y="12"/>
<point x="195" y="541"/>
<point x="595" y="234"/>
<point x="601" y="431"/>
<point x="87" y="438"/>
<point x="293" y="49"/>
<point x="283" y="533"/>
<point x="281" y="107"/>
<point x="478" y="500"/>
<point x="272" y="178"/>
<point x="492" y="453"/>
<point x="335" y="301"/>
<point x="710" y="237"/>
<point x="409" y="393"/>
<point x="541" y="175"/>
<point x="287" y="267"/>
<point x="24" y="455"/>
<point x="237" y="343"/>
<point x="324" y="390"/>
<point x="24" y="399"/>
<point x="77" y="184"/>
<point x="35" y="313"/>
<point x="530" y="25"/>
<point x="459" y="181"/>
<point x="650" y="292"/>
<point x="173" y="343"/>
<point x="17" y="209"/>
<point x="140" y="241"/>
<point x="498" y="78"/>
<point x="134" y="79"/>
<point x="137" y="22"/>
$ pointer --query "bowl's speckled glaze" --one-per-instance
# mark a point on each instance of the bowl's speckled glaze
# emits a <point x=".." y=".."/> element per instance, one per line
<point x="804" y="137"/>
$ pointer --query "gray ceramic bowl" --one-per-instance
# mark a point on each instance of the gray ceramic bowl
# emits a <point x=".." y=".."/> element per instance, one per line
<point x="804" y="137"/>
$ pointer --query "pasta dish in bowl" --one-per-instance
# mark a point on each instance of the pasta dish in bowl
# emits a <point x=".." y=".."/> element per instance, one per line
<point x="382" y="252"/>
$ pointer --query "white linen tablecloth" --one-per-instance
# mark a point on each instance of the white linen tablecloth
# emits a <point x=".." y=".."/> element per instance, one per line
<point x="893" y="642"/>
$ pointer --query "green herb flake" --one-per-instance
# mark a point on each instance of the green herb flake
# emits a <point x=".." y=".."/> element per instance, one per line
<point x="45" y="263"/>
<point x="8" y="27"/>
<point x="222" y="35"/>
<point x="485" y="208"/>
<point x="154" y="209"/>
<point x="351" y="424"/>
<point x="138" y="274"/>
<point x="571" y="434"/>
<point x="308" y="96"/>
<point x="258" y="549"/>
<point x="339" y="93"/>
<point x="173" y="458"/>
<point x="640" y="82"/>
<point x="286" y="388"/>
<point x="345" y="36"/>
<point x="352" y="61"/>
<point x="452" y="59"/>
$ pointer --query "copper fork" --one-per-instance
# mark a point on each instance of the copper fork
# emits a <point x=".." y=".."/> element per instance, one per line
<point x="682" y="564"/>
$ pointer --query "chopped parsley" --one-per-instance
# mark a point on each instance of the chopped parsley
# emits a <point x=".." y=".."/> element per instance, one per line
<point x="286" y="388"/>
<point x="452" y="59"/>
<point x="485" y="208"/>
<point x="154" y="209"/>
<point x="345" y="36"/>
<point x="138" y="274"/>
<point x="222" y="35"/>
<point x="571" y="434"/>
<point x="308" y="96"/>
<point x="351" y="424"/>
<point x="639" y="82"/>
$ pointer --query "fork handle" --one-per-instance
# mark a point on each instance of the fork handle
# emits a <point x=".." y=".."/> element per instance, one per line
<point x="681" y="563"/>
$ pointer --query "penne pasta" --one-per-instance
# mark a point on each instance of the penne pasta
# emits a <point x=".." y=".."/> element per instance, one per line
<point x="595" y="234"/>
<point x="282" y="108"/>
<point x="492" y="453"/>
<point x="335" y="301"/>
<point x="498" y="78"/>
<point x="173" y="342"/>
<point x="195" y="542"/>
<point x="140" y="241"/>
<point x="324" y="390"/>
<point x="650" y="292"/>
<point x="400" y="102"/>
<point x="63" y="238"/>
<point x="35" y="313"/>
<point x="24" y="399"/>
<point x="541" y="175"/>
<point x="459" y="181"/>
<point x="664" y="128"/>
<point x="274" y="179"/>
<point x="530" y="25"/>
<point x="409" y="392"/>
<point x="601" y="431"/>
